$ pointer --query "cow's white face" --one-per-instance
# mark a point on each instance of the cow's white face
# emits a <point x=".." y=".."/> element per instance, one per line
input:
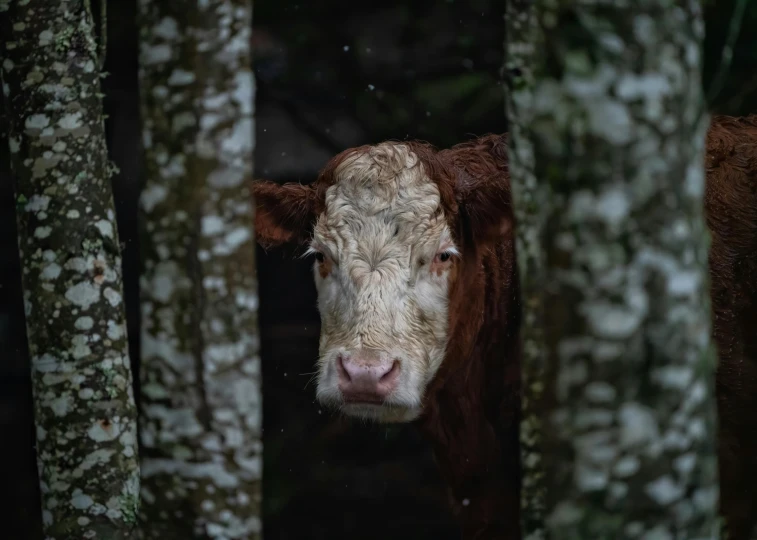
<point x="384" y="254"/>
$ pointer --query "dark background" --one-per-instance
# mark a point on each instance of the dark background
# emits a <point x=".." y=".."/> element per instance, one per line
<point x="331" y="75"/>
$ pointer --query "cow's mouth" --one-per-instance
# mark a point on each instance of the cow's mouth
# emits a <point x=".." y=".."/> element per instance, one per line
<point x="363" y="399"/>
<point x="380" y="411"/>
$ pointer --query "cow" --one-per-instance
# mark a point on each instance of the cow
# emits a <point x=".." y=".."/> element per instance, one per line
<point x="418" y="292"/>
<point x="418" y="297"/>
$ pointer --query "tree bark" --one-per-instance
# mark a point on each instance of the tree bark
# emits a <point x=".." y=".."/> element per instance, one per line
<point x="201" y="399"/>
<point x="71" y="271"/>
<point x="521" y="43"/>
<point x="606" y="110"/>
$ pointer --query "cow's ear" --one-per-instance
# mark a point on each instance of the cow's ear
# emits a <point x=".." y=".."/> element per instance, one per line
<point x="484" y="200"/>
<point x="283" y="212"/>
<point x="487" y="211"/>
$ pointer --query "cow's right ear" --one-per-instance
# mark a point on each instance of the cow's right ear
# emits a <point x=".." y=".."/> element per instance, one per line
<point x="283" y="212"/>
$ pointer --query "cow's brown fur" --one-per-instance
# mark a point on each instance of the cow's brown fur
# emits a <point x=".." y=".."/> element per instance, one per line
<point x="472" y="405"/>
<point x="471" y="415"/>
<point x="731" y="210"/>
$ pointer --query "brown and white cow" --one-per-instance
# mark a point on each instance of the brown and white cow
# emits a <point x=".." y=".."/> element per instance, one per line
<point x="417" y="291"/>
<point x="419" y="301"/>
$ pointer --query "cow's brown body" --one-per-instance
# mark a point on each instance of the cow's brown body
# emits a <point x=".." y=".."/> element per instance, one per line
<point x="471" y="415"/>
<point x="731" y="210"/>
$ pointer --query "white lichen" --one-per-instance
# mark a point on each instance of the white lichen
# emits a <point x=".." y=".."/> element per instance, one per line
<point x="105" y="227"/>
<point x="83" y="294"/>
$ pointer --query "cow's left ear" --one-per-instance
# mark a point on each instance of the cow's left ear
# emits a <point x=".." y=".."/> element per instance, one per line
<point x="487" y="211"/>
<point x="283" y="212"/>
<point x="484" y="200"/>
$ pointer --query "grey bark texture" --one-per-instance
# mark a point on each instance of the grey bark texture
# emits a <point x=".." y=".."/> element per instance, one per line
<point x="71" y="271"/>
<point x="201" y="404"/>
<point x="607" y="118"/>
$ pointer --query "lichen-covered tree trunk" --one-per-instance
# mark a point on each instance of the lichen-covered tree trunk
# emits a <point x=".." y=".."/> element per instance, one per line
<point x="607" y="160"/>
<point x="201" y="407"/>
<point x="520" y="45"/>
<point x="71" y="271"/>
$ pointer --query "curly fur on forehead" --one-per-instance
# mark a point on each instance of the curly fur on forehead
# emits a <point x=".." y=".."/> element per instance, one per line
<point x="382" y="169"/>
<point x="388" y="182"/>
<point x="385" y="176"/>
<point x="380" y="164"/>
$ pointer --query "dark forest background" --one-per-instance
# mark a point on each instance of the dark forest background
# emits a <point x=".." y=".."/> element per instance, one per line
<point x="331" y="75"/>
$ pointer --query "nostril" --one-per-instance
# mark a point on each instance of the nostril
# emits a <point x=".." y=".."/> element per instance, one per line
<point x="343" y="373"/>
<point x="392" y="373"/>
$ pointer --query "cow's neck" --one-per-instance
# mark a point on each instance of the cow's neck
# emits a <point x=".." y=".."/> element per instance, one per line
<point x="472" y="412"/>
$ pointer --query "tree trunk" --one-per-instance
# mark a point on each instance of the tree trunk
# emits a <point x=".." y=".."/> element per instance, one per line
<point x="201" y="405"/>
<point x="520" y="45"/>
<point x="606" y="110"/>
<point x="71" y="271"/>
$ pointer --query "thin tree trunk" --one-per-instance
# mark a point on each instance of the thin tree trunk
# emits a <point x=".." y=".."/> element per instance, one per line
<point x="606" y="110"/>
<point x="71" y="271"/>
<point x="520" y="46"/>
<point x="201" y="399"/>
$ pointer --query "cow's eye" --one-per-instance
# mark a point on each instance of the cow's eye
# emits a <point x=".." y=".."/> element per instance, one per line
<point x="444" y="256"/>
<point x="319" y="256"/>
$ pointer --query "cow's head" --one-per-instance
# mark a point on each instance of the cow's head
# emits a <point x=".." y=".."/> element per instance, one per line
<point x="391" y="228"/>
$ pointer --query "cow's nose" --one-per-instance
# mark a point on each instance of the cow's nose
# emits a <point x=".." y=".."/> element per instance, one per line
<point x="367" y="376"/>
